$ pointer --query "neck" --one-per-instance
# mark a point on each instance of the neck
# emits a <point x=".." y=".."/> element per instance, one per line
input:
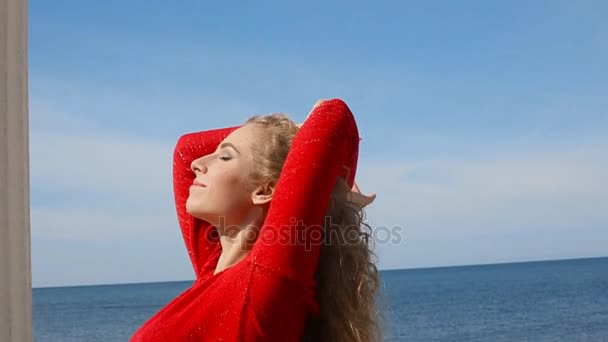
<point x="237" y="241"/>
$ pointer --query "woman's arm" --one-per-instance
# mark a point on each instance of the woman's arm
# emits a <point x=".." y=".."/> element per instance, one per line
<point x="289" y="242"/>
<point x="200" y="237"/>
<point x="355" y="195"/>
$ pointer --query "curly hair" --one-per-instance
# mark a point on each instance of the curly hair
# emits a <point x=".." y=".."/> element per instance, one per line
<point x="347" y="279"/>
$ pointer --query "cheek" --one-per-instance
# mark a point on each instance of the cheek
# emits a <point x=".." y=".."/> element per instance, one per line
<point x="238" y="189"/>
<point x="230" y="185"/>
<point x="225" y="180"/>
<point x="241" y="186"/>
<point x="234" y="174"/>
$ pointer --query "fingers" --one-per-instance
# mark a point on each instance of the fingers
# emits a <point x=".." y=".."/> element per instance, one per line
<point x="317" y="104"/>
<point x="361" y="200"/>
<point x="356" y="188"/>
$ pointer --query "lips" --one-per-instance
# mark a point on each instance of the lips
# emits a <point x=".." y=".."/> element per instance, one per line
<point x="198" y="183"/>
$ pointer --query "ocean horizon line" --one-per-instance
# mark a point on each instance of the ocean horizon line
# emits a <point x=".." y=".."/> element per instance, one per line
<point x="385" y="270"/>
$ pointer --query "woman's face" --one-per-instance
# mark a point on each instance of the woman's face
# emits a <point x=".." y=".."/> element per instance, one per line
<point x="221" y="193"/>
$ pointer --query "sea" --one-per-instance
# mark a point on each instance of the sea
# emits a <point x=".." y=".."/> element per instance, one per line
<point x="564" y="300"/>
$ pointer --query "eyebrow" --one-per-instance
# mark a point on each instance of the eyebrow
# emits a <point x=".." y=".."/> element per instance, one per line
<point x="227" y="144"/>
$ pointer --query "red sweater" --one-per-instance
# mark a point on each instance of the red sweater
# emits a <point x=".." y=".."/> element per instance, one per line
<point x="268" y="295"/>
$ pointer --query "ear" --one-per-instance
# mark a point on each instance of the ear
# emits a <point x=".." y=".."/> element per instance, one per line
<point x="263" y="194"/>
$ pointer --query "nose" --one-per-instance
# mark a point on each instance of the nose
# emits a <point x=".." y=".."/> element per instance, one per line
<point x="198" y="165"/>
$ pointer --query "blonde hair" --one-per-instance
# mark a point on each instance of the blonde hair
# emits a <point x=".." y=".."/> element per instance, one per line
<point x="347" y="278"/>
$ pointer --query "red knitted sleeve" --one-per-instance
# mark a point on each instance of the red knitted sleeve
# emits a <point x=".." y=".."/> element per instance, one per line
<point x="289" y="241"/>
<point x="200" y="237"/>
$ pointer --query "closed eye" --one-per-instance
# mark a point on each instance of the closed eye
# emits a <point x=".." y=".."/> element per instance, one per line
<point x="225" y="158"/>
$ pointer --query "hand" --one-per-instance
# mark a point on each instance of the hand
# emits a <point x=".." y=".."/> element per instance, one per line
<point x="317" y="104"/>
<point x="360" y="199"/>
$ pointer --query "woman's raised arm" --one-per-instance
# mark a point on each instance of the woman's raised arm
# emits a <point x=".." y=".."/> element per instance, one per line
<point x="289" y="242"/>
<point x="200" y="236"/>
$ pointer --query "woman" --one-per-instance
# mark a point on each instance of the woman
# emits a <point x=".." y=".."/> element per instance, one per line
<point x="307" y="273"/>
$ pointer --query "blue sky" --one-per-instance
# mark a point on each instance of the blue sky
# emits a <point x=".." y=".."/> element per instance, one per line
<point x="483" y="123"/>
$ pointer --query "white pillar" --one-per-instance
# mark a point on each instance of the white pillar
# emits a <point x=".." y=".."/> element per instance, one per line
<point x="15" y="261"/>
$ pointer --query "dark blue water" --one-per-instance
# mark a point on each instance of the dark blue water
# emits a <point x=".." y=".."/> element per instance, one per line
<point x="536" y="301"/>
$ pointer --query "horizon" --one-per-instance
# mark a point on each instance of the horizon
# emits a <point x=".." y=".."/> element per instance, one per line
<point x="380" y="270"/>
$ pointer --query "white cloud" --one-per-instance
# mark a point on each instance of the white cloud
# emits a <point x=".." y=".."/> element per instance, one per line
<point x="457" y="184"/>
<point x="104" y="224"/>
<point x="123" y="167"/>
<point x="490" y="208"/>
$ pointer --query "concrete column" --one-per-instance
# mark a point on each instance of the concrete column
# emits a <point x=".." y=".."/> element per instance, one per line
<point x="15" y="261"/>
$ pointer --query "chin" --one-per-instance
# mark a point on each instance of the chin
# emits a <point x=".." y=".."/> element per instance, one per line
<point x="194" y="209"/>
<point x="199" y="212"/>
